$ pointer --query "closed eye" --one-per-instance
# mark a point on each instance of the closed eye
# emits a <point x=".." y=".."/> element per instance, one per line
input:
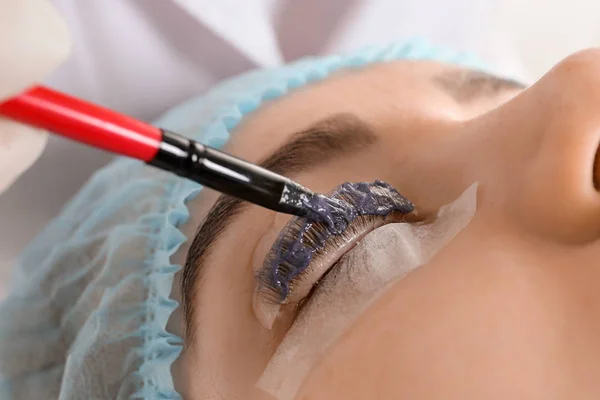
<point x="305" y="251"/>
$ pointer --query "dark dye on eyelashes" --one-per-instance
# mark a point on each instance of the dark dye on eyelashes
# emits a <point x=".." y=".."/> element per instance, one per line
<point x="336" y="212"/>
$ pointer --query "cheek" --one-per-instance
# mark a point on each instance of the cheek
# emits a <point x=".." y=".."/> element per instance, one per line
<point x="404" y="342"/>
<point x="482" y="314"/>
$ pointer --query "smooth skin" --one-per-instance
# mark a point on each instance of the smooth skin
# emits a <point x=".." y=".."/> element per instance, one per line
<point x="509" y="309"/>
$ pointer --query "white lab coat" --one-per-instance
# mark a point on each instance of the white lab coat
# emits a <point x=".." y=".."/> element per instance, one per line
<point x="143" y="57"/>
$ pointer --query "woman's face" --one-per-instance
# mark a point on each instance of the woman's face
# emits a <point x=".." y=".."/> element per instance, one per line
<point x="507" y="309"/>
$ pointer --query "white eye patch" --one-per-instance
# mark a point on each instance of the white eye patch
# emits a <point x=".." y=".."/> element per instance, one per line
<point x="385" y="255"/>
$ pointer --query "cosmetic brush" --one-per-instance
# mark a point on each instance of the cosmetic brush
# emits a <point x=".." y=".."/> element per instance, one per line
<point x="108" y="130"/>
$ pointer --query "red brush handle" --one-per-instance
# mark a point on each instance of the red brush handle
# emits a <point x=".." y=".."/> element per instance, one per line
<point x="85" y="122"/>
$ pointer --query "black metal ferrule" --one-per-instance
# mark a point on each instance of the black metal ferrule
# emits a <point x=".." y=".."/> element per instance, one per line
<point x="224" y="173"/>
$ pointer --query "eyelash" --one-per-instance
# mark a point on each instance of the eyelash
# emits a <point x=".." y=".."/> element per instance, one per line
<point x="313" y="235"/>
<point x="293" y="266"/>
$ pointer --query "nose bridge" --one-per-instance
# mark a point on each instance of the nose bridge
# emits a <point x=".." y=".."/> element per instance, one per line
<point x="555" y="192"/>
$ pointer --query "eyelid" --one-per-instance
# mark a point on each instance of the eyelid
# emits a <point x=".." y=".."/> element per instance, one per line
<point x="267" y="239"/>
<point x="305" y="250"/>
<point x="335" y="248"/>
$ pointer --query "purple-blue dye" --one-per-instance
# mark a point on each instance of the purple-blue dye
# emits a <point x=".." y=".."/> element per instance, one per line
<point x="367" y="198"/>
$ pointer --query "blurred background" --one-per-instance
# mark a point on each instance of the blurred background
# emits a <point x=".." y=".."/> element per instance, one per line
<point x="143" y="57"/>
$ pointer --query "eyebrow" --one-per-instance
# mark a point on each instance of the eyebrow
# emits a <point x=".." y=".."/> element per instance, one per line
<point x="336" y="136"/>
<point x="466" y="85"/>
